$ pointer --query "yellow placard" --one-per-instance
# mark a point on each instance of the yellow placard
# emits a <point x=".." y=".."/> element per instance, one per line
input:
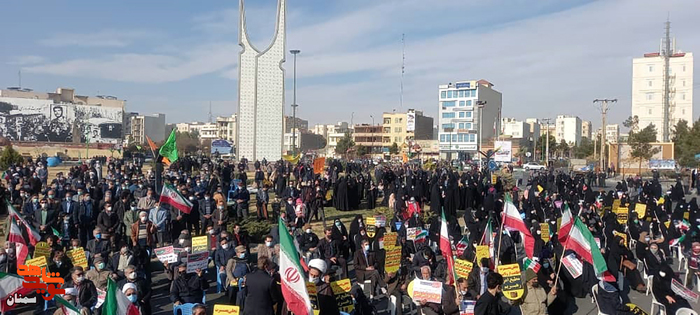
<point x="622" y="215"/>
<point x="38" y="261"/>
<point x="77" y="257"/>
<point x="313" y="296"/>
<point x="539" y="188"/>
<point x="512" y="281"/>
<point x="390" y="239"/>
<point x="200" y="244"/>
<point x="494" y="179"/>
<point x="544" y="230"/>
<point x="616" y="204"/>
<point x="341" y="290"/>
<point x="482" y="251"/>
<point x="686" y="215"/>
<point x="641" y="210"/>
<point x="221" y="309"/>
<point x="623" y="235"/>
<point x="371" y="221"/>
<point x="392" y="262"/>
<point x="42" y="249"/>
<point x="463" y="268"/>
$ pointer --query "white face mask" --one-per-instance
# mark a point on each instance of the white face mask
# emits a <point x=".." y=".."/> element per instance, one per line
<point x="225" y="246"/>
<point x="143" y="219"/>
<point x="662" y="274"/>
<point x="308" y="231"/>
<point x="79" y="279"/>
<point x="312" y="279"/>
<point x="181" y="241"/>
<point x="268" y="244"/>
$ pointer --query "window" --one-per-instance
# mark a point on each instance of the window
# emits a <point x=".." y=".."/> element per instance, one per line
<point x="683" y="68"/>
<point x="649" y="83"/>
<point x="449" y="104"/>
<point x="469" y="103"/>
<point x="454" y="138"/>
<point x="461" y="103"/>
<point x="683" y="96"/>
<point x="683" y="82"/>
<point x="472" y="138"/>
<point x="398" y="129"/>
<point x="449" y="94"/>
<point x="467" y="125"/>
<point x="442" y="138"/>
<point x="448" y="115"/>
<point x="448" y="126"/>
<point x="650" y="96"/>
<point x="650" y="111"/>
<point x="469" y="114"/>
<point x="460" y="126"/>
<point x="443" y="94"/>
<point x="651" y="68"/>
<point x="460" y="137"/>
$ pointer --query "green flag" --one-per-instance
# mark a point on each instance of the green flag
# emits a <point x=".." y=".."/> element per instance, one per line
<point x="169" y="148"/>
<point x="55" y="232"/>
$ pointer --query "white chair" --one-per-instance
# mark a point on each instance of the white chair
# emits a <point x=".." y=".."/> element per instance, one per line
<point x="654" y="303"/>
<point x="681" y="258"/>
<point x="686" y="311"/>
<point x="642" y="266"/>
<point x="594" y="293"/>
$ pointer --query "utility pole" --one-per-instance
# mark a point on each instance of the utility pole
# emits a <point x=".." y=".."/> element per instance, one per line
<point x="604" y="113"/>
<point x="372" y="147"/>
<point x="666" y="53"/>
<point x="210" y="116"/>
<point x="546" y="161"/>
<point x="403" y="67"/>
<point x="294" y="52"/>
<point x="480" y="138"/>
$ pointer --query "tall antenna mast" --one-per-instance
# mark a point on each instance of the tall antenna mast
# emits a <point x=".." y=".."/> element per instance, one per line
<point x="19" y="74"/>
<point x="210" y="116"/>
<point x="403" y="65"/>
<point x="666" y="53"/>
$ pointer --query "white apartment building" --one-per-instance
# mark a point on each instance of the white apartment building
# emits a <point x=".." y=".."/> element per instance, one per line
<point x="289" y="139"/>
<point x="459" y="115"/>
<point x="206" y="131"/>
<point x="612" y="133"/>
<point x="226" y="128"/>
<point x="332" y="133"/>
<point x="516" y="129"/>
<point x="648" y="90"/>
<point x="586" y="129"/>
<point x="568" y="128"/>
<point x="152" y="126"/>
<point x="535" y="127"/>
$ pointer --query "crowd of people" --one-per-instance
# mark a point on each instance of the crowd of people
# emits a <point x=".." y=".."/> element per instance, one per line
<point x="111" y="208"/>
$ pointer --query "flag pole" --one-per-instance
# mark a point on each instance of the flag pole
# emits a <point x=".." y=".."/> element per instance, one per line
<point x="561" y="261"/>
<point x="500" y="239"/>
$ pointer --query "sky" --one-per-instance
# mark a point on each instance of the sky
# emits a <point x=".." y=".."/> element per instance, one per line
<point x="547" y="57"/>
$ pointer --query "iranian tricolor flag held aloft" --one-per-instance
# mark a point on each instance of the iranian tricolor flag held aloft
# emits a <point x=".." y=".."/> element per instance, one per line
<point x="292" y="275"/>
<point x="446" y="249"/>
<point x="567" y="222"/>
<point x="580" y="240"/>
<point x="33" y="234"/>
<point x="15" y="236"/>
<point x="170" y="195"/>
<point x="512" y="219"/>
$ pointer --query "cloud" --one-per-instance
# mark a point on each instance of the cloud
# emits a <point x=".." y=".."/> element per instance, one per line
<point x="26" y="60"/>
<point x="147" y="68"/>
<point x="105" y="38"/>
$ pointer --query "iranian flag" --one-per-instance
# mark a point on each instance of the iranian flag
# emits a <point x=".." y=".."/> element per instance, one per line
<point x="531" y="264"/>
<point x="581" y="241"/>
<point x="512" y="219"/>
<point x="34" y="236"/>
<point x="170" y="195"/>
<point x="567" y="221"/>
<point x="676" y="241"/>
<point x="9" y="285"/>
<point x="446" y="249"/>
<point x="68" y="308"/>
<point x="116" y="302"/>
<point x="15" y="236"/>
<point x="292" y="275"/>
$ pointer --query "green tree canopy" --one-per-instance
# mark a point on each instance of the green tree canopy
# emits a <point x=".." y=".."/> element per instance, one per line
<point x="344" y="144"/>
<point x="686" y="141"/>
<point x="394" y="149"/>
<point x="9" y="156"/>
<point x="640" y="140"/>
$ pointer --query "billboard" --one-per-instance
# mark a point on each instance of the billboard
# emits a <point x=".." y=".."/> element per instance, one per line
<point x="43" y="121"/>
<point x="221" y="146"/>
<point x="411" y="120"/>
<point x="503" y="151"/>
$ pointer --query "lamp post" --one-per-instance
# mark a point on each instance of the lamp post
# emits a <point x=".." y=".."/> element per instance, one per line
<point x="294" y="52"/>
<point x="372" y="147"/>
<point x="480" y="105"/>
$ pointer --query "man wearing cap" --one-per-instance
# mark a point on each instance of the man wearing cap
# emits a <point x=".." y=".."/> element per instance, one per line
<point x="142" y="286"/>
<point x="132" y="293"/>
<point x="535" y="300"/>
<point x="99" y="274"/>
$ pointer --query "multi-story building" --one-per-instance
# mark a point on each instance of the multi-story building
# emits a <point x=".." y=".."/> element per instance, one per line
<point x="226" y="128"/>
<point x="462" y="106"/>
<point x="535" y="127"/>
<point x="568" y="128"/>
<point x="515" y="129"/>
<point x="261" y="91"/>
<point x="291" y="141"/>
<point x="369" y="136"/>
<point x="206" y="131"/>
<point x="586" y="129"/>
<point x="648" y="86"/>
<point x="405" y="127"/>
<point x="612" y="133"/>
<point x="301" y="124"/>
<point x="152" y="126"/>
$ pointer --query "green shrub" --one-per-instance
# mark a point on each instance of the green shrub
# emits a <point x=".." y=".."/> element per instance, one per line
<point x="256" y="229"/>
<point x="9" y="156"/>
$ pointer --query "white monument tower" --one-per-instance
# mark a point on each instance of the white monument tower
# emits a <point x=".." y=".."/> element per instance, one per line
<point x="261" y="92"/>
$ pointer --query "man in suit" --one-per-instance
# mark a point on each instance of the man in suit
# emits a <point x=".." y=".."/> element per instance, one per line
<point x="207" y="206"/>
<point x="31" y="206"/>
<point x="87" y="218"/>
<point x="70" y="207"/>
<point x="44" y="219"/>
<point x="477" y="281"/>
<point x="263" y="290"/>
<point x="366" y="268"/>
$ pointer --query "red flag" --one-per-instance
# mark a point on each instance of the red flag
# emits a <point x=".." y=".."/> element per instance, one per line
<point x="15" y="236"/>
<point x="512" y="219"/>
<point x="446" y="249"/>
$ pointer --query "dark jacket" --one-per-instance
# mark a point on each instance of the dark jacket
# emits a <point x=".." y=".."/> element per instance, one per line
<point x="490" y="305"/>
<point x="109" y="223"/>
<point x="307" y="241"/>
<point x="263" y="293"/>
<point x="50" y="219"/>
<point x="87" y="294"/>
<point x="188" y="288"/>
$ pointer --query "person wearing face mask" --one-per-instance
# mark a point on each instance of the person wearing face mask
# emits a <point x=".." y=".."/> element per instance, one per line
<point x="220" y="216"/>
<point x="654" y="258"/>
<point x="661" y="288"/>
<point x="207" y="206"/>
<point x="308" y="242"/>
<point x="318" y="276"/>
<point x="132" y="294"/>
<point x="477" y="281"/>
<point x="119" y="262"/>
<point x="366" y="265"/>
<point x="188" y="287"/>
<point x="160" y="218"/>
<point x="143" y="232"/>
<point x="45" y="219"/>
<point x="234" y="278"/>
<point x="99" y="274"/>
<point x="149" y="201"/>
<point x="221" y="257"/>
<point x="132" y="278"/>
<point x="131" y="215"/>
<point x="87" y="218"/>
<point x="86" y="290"/>
<point x="242" y="198"/>
<point x="535" y="300"/>
<point x="108" y="221"/>
<point x="31" y="206"/>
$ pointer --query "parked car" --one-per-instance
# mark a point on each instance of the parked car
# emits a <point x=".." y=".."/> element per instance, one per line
<point x="533" y="166"/>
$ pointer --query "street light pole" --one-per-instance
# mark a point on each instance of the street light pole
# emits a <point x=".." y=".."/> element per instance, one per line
<point x="372" y="147"/>
<point x="480" y="105"/>
<point x="294" y="52"/>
